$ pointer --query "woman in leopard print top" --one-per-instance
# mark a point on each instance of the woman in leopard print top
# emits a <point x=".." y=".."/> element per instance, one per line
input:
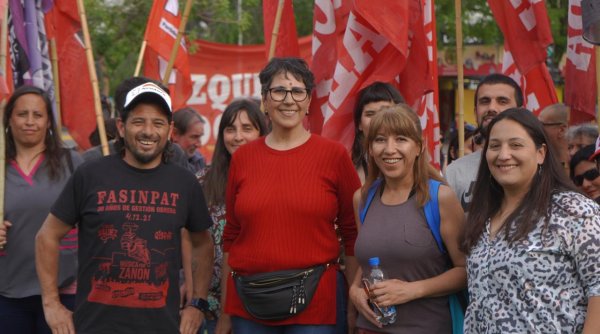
<point x="533" y="242"/>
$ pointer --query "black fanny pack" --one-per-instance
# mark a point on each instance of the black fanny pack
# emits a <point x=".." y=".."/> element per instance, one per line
<point x="279" y="294"/>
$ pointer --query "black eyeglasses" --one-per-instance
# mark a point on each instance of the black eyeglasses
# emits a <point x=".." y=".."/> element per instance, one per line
<point x="589" y="175"/>
<point x="279" y="94"/>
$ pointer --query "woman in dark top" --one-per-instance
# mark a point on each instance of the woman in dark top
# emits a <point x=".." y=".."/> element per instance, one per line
<point x="396" y="231"/>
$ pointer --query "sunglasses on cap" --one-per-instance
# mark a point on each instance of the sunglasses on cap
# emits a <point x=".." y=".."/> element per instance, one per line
<point x="589" y="175"/>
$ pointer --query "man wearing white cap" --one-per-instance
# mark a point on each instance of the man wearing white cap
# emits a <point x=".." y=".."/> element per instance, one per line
<point x="129" y="209"/>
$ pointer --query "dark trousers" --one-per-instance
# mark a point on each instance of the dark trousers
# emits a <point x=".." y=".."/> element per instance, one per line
<point x="26" y="315"/>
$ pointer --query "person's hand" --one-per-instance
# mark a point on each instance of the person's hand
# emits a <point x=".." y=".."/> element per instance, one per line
<point x="223" y="324"/>
<point x="393" y="292"/>
<point x="59" y="318"/>
<point x="4" y="226"/>
<point x="359" y="298"/>
<point x="191" y="319"/>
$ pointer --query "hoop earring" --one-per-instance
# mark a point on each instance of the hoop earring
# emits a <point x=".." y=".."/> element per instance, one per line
<point x="540" y="169"/>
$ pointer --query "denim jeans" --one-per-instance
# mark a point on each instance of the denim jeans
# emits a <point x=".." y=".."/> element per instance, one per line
<point x="26" y="315"/>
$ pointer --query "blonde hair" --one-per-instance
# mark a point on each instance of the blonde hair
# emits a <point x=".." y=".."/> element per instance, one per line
<point x="401" y="120"/>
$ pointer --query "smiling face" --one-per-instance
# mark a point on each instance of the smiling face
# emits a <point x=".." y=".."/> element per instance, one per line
<point x="394" y="155"/>
<point x="512" y="156"/>
<point x="145" y="133"/>
<point x="29" y="121"/>
<point x="493" y="99"/>
<point x="287" y="114"/>
<point x="240" y="132"/>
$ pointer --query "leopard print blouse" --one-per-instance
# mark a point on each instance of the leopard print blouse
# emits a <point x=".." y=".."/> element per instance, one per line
<point x="540" y="284"/>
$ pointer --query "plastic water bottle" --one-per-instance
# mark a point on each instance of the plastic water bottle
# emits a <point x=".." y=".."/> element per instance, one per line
<point x="387" y="315"/>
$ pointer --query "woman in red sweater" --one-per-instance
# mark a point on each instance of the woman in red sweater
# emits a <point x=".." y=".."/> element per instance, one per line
<point x="284" y="193"/>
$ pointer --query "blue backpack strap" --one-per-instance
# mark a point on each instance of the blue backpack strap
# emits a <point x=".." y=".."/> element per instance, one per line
<point x="432" y="213"/>
<point x="370" y="196"/>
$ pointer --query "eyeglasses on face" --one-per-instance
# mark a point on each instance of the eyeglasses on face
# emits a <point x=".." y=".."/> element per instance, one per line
<point x="590" y="175"/>
<point x="279" y="94"/>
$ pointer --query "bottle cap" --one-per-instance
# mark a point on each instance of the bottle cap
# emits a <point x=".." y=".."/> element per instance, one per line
<point x="374" y="261"/>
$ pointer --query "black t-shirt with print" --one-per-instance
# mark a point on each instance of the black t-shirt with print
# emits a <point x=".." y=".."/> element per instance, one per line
<point x="130" y="224"/>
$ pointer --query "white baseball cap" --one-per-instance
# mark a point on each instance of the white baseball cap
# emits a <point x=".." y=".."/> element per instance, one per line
<point x="148" y="92"/>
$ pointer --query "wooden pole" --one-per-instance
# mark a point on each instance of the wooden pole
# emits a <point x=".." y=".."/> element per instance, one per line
<point x="138" y="66"/>
<point x="3" y="45"/>
<point x="93" y="77"/>
<point x="461" y="78"/>
<point x="180" y="31"/>
<point x="276" y="25"/>
<point x="56" y="79"/>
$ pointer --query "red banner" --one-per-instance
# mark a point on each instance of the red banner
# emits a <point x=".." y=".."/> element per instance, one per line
<point x="287" y="37"/>
<point x="222" y="72"/>
<point x="580" y="70"/>
<point x="161" y="32"/>
<point x="76" y="94"/>
<point x="329" y="22"/>
<point x="381" y="43"/>
<point x="527" y="34"/>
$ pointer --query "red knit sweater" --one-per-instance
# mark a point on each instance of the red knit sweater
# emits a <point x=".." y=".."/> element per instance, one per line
<point x="281" y="206"/>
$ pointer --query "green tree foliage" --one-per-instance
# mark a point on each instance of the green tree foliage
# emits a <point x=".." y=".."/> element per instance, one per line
<point x="117" y="29"/>
<point x="479" y="26"/>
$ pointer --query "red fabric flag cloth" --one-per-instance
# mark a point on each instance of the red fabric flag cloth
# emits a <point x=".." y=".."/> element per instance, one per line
<point x="287" y="37"/>
<point x="376" y="47"/>
<point x="527" y="34"/>
<point x="526" y="30"/>
<point x="580" y="70"/>
<point x="76" y="94"/>
<point x="161" y="32"/>
<point x="329" y="21"/>
<point x="429" y="108"/>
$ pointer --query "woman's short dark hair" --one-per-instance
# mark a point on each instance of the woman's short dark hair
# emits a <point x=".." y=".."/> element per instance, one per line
<point x="536" y="204"/>
<point x="54" y="150"/>
<point x="375" y="92"/>
<point x="582" y="155"/>
<point x="216" y="178"/>
<point x="297" y="67"/>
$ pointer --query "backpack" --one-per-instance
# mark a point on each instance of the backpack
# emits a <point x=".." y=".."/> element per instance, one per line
<point x="432" y="216"/>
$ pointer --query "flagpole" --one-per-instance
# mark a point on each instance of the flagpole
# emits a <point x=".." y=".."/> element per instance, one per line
<point x="461" y="78"/>
<point x="56" y="79"/>
<point x="3" y="45"/>
<point x="180" y="31"/>
<point x="138" y="66"/>
<point x="93" y="77"/>
<point x="275" y="32"/>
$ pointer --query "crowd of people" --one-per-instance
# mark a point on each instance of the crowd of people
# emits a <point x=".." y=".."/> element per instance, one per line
<point x="276" y="234"/>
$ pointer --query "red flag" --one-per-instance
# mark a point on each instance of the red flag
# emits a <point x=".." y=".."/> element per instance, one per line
<point x="287" y="37"/>
<point x="76" y="94"/>
<point x="161" y="32"/>
<point x="381" y="43"/>
<point x="527" y="34"/>
<point x="329" y="21"/>
<point x="580" y="69"/>
<point x="428" y="110"/>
